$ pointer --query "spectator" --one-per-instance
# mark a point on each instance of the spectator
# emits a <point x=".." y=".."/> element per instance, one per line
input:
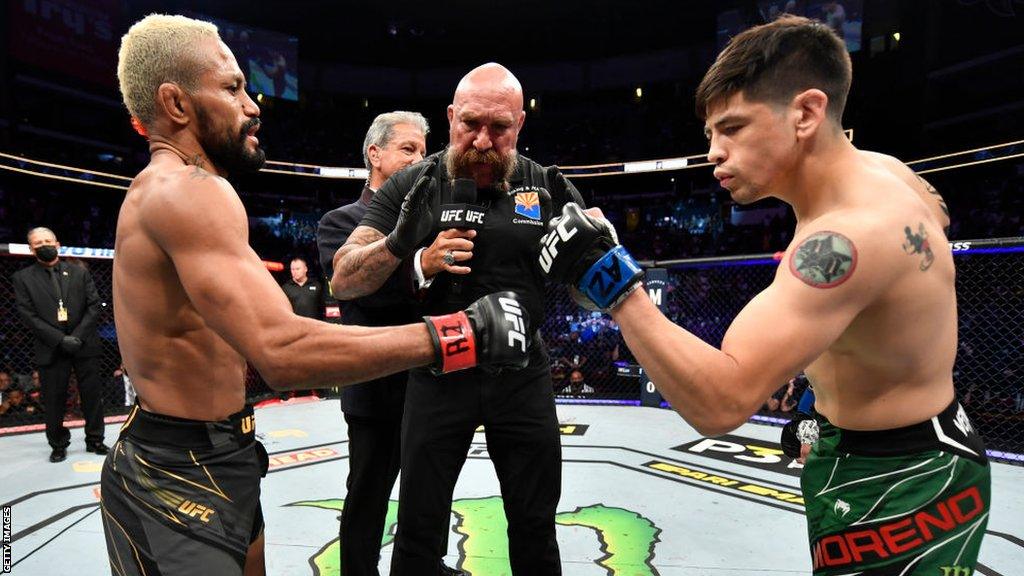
<point x="17" y="404"/>
<point x="5" y="385"/>
<point x="60" y="306"/>
<point x="577" y="385"/>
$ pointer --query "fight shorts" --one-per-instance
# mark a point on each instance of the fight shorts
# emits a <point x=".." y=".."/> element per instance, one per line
<point x="911" y="500"/>
<point x="182" y="496"/>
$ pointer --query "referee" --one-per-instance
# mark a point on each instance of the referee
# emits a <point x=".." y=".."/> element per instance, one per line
<point x="517" y="196"/>
<point x="373" y="410"/>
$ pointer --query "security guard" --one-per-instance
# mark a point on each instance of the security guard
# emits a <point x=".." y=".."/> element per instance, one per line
<point x="515" y="196"/>
<point x="305" y="294"/>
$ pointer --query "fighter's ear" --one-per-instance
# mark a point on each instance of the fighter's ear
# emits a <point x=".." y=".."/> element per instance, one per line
<point x="810" y="109"/>
<point x="174" y="102"/>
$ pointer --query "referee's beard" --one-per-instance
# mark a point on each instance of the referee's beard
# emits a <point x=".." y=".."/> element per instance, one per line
<point x="464" y="164"/>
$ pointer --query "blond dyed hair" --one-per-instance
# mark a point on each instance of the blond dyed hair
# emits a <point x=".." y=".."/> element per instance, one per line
<point x="159" y="48"/>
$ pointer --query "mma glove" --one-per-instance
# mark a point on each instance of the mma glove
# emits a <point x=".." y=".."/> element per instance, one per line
<point x="803" y="429"/>
<point x="492" y="332"/>
<point x="71" y="344"/>
<point x="415" y="219"/>
<point x="584" y="252"/>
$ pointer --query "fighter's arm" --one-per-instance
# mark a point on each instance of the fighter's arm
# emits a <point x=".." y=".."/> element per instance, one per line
<point x="201" y="225"/>
<point x="780" y="332"/>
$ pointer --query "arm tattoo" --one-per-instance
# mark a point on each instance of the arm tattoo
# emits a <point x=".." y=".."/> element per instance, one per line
<point x="919" y="244"/>
<point x="824" y="260"/>
<point x="363" y="264"/>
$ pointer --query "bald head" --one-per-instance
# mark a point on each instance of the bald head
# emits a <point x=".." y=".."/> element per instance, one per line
<point x="492" y="81"/>
<point x="484" y="120"/>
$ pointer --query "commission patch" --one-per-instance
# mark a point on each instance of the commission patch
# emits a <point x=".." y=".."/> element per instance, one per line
<point x="528" y="205"/>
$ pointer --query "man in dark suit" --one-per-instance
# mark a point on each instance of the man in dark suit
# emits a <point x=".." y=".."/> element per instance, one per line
<point x="59" y="304"/>
<point x="373" y="411"/>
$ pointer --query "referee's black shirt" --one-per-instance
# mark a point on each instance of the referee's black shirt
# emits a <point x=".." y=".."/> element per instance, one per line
<point x="505" y="251"/>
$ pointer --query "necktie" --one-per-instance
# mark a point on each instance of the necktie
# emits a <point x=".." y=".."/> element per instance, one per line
<point x="56" y="282"/>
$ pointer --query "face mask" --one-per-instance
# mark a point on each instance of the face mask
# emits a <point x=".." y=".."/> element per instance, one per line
<point x="46" y="253"/>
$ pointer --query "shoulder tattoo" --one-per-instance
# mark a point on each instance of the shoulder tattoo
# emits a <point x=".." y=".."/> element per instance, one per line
<point x="917" y="243"/>
<point x="824" y="259"/>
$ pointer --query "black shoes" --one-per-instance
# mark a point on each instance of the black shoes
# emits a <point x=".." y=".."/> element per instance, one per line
<point x="61" y="454"/>
<point x="100" y="448"/>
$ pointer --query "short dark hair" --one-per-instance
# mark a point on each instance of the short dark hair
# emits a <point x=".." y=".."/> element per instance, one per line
<point x="299" y="259"/>
<point x="775" y="61"/>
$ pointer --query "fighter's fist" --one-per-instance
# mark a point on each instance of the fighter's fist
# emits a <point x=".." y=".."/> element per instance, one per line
<point x="584" y="252"/>
<point x="494" y="331"/>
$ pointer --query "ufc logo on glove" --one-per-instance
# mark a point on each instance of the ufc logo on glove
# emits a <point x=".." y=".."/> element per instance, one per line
<point x="517" y="330"/>
<point x="549" y="249"/>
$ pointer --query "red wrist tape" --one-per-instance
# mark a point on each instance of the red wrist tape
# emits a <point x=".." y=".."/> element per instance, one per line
<point x="455" y="341"/>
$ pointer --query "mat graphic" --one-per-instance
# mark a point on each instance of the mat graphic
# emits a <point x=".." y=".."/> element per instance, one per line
<point x="626" y="539"/>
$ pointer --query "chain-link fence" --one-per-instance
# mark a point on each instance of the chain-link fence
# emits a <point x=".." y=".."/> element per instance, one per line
<point x="590" y="362"/>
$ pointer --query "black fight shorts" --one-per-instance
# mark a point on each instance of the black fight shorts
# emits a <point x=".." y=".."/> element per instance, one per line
<point x="182" y="496"/>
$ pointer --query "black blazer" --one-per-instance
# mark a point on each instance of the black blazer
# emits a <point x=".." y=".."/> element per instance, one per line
<point x="391" y="305"/>
<point x="36" y="300"/>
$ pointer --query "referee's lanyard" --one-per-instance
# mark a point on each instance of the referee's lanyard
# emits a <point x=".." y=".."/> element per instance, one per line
<point x="62" y="312"/>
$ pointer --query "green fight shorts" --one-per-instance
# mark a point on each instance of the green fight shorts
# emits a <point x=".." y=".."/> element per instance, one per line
<point x="911" y="500"/>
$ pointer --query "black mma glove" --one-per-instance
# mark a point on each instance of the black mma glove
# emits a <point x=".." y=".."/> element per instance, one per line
<point x="803" y="429"/>
<point x="494" y="331"/>
<point x="70" y="344"/>
<point x="585" y="253"/>
<point x="415" y="220"/>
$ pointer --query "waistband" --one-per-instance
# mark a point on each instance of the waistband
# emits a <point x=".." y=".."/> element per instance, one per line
<point x="950" y="430"/>
<point x="237" y="430"/>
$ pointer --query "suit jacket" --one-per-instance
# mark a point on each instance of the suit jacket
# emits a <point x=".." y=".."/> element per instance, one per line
<point x="391" y="305"/>
<point x="36" y="300"/>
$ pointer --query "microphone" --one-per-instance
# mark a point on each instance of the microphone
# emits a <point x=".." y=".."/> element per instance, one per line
<point x="462" y="212"/>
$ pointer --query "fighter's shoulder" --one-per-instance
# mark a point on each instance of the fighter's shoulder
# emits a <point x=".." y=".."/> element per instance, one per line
<point x="848" y="246"/>
<point x="186" y="196"/>
<point x="177" y="184"/>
